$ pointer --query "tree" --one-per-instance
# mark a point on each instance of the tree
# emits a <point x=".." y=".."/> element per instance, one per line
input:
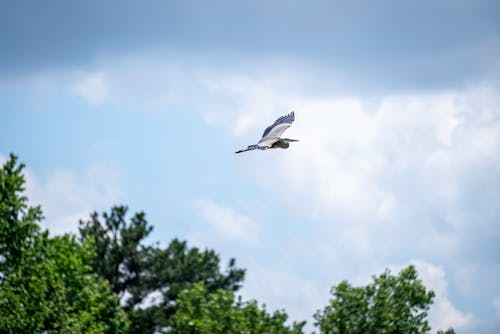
<point x="391" y="304"/>
<point x="120" y="256"/>
<point x="18" y="221"/>
<point x="201" y="312"/>
<point x="46" y="284"/>
<point x="448" y="331"/>
<point x="137" y="271"/>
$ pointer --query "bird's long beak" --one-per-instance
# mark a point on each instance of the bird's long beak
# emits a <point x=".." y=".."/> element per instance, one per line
<point x="292" y="139"/>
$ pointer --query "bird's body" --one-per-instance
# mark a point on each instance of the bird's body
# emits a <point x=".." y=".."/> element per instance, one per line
<point x="271" y="138"/>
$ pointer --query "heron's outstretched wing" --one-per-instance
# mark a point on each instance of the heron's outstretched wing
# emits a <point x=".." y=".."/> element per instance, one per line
<point x="279" y="126"/>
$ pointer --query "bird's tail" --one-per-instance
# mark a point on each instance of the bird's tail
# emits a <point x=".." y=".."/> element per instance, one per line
<point x="249" y="148"/>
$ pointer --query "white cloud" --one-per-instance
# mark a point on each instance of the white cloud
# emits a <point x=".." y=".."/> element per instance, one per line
<point x="142" y="82"/>
<point x="92" y="87"/>
<point x="496" y="305"/>
<point x="280" y="289"/>
<point x="67" y="196"/>
<point x="443" y="314"/>
<point x="372" y="165"/>
<point x="226" y="224"/>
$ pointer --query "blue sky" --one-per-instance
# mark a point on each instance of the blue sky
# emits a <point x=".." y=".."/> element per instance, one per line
<point x="397" y="112"/>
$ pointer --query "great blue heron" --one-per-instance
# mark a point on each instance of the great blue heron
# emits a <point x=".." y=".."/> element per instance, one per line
<point x="271" y="137"/>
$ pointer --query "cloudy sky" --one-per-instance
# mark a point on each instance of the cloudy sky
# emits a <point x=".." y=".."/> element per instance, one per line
<point x="397" y="111"/>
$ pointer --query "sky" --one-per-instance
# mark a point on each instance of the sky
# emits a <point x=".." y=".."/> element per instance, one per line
<point x="397" y="107"/>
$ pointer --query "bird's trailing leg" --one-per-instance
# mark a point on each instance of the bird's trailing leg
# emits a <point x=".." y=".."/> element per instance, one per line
<point x="249" y="148"/>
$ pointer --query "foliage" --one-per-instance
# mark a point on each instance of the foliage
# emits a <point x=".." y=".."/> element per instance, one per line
<point x="18" y="221"/>
<point x="119" y="255"/>
<point x="201" y="312"/>
<point x="137" y="271"/>
<point x="46" y="284"/>
<point x="391" y="304"/>
<point x="448" y="331"/>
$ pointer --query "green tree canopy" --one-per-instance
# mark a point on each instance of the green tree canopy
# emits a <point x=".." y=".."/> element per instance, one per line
<point x="46" y="284"/>
<point x="391" y="304"/>
<point x="219" y="312"/>
<point x="136" y="270"/>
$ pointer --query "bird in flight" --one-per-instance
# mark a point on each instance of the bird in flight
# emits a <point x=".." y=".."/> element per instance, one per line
<point x="272" y="135"/>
